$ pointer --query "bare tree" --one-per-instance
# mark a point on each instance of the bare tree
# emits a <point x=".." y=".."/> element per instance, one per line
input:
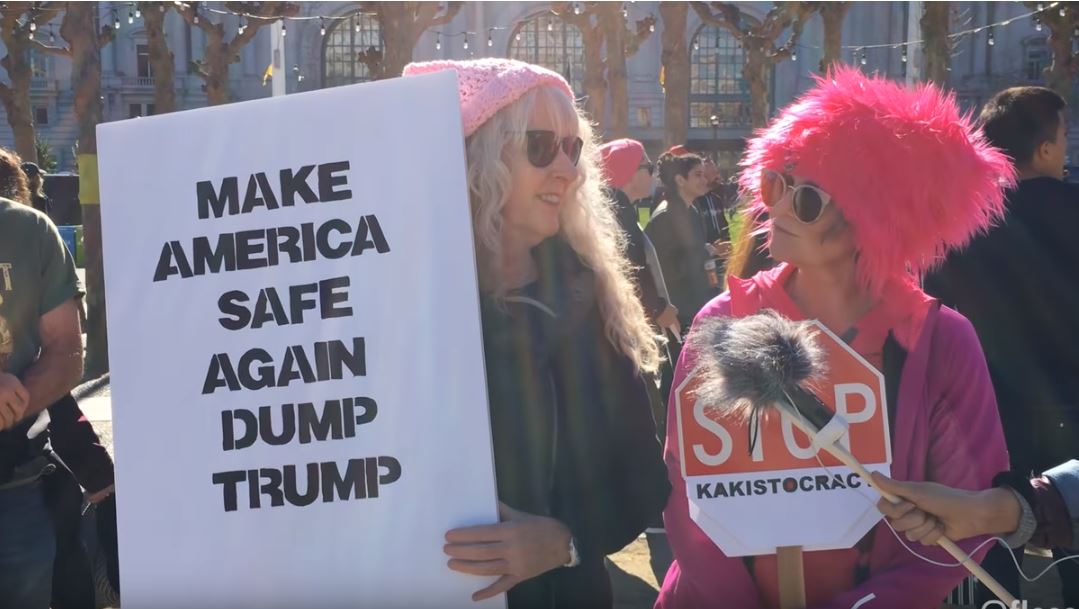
<point x="758" y="40"/>
<point x="221" y="52"/>
<point x="675" y="59"/>
<point x="402" y="25"/>
<point x="938" y="47"/>
<point x="585" y="17"/>
<point x="832" y="15"/>
<point x="18" y="23"/>
<point x="621" y="43"/>
<point x="162" y="61"/>
<point x="84" y="41"/>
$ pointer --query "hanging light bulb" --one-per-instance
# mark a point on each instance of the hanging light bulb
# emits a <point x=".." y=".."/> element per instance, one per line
<point x="130" y="18"/>
<point x="1041" y="7"/>
<point x="696" y="45"/>
<point x="1075" y="32"/>
<point x="240" y="28"/>
<point x="322" y="27"/>
<point x="138" y="13"/>
<point x="576" y="9"/>
<point x="903" y="57"/>
<point x="550" y="26"/>
<point x="490" y="41"/>
<point x="517" y="36"/>
<point x="161" y="7"/>
<point x="284" y="28"/>
<point x="991" y="41"/>
<point x="196" y="18"/>
<point x="52" y="36"/>
<point x="1063" y="13"/>
<point x="438" y="42"/>
<point x="33" y="26"/>
<point x="1037" y="24"/>
<point x="116" y="23"/>
<point x="652" y="26"/>
<point x="794" y="55"/>
<point x="864" y="60"/>
<point x="466" y="42"/>
<point x="625" y="12"/>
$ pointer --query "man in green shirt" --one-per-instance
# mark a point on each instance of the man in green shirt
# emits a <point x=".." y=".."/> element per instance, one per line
<point x="40" y="362"/>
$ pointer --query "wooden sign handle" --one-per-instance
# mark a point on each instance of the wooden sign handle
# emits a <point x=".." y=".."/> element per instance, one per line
<point x="949" y="546"/>
<point x="792" y="581"/>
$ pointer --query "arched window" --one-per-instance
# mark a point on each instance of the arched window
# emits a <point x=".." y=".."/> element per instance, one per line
<point x="345" y="40"/>
<point x="546" y="40"/>
<point x="716" y="86"/>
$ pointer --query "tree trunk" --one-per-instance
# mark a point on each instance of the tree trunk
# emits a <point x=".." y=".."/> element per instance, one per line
<point x="755" y="73"/>
<point x="80" y="30"/>
<point x="833" y="14"/>
<point x="610" y="21"/>
<point x="938" y="49"/>
<point x="216" y="66"/>
<point x="395" y="19"/>
<point x="162" y="62"/>
<point x="595" y="85"/>
<point x="675" y="58"/>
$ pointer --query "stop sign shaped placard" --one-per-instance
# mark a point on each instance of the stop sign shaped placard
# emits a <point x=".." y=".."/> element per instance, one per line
<point x="750" y="502"/>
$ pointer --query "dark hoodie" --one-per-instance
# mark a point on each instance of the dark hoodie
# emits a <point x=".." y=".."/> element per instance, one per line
<point x="1019" y="286"/>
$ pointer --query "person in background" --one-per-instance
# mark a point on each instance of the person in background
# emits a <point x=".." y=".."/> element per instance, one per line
<point x="678" y="234"/>
<point x="628" y="174"/>
<point x="566" y="346"/>
<point x="1018" y="285"/>
<point x="36" y="182"/>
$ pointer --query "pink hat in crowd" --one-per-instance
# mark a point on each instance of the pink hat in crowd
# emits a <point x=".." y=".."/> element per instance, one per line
<point x="621" y="159"/>
<point x="488" y="85"/>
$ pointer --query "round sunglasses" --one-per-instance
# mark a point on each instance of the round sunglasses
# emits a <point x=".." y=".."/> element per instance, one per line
<point x="807" y="200"/>
<point x="543" y="146"/>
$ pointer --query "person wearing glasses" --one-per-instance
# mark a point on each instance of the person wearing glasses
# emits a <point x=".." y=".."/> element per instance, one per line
<point x="866" y="183"/>
<point x="566" y="345"/>
<point x="677" y="232"/>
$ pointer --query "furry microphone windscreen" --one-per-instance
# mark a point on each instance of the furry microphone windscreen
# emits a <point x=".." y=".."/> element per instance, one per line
<point x="746" y="365"/>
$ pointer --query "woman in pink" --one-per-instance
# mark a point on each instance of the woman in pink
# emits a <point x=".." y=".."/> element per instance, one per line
<point x="866" y="185"/>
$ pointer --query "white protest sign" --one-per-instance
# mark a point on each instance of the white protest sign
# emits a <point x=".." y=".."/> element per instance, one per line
<point x="300" y="405"/>
<point x="748" y="501"/>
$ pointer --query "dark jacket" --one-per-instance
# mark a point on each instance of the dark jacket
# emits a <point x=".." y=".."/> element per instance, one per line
<point x="678" y="236"/>
<point x="1019" y="286"/>
<point x="573" y="434"/>
<point x="654" y="304"/>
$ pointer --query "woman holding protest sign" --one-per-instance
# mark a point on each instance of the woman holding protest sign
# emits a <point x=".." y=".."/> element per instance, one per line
<point x="565" y="339"/>
<point x="866" y="184"/>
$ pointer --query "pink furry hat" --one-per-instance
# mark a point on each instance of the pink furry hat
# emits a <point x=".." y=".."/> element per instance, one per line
<point x="488" y="85"/>
<point x="913" y="177"/>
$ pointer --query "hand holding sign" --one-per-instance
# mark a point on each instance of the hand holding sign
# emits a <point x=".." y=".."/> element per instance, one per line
<point x="520" y="547"/>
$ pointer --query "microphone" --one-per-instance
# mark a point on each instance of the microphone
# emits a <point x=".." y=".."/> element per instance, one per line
<point x="750" y="366"/>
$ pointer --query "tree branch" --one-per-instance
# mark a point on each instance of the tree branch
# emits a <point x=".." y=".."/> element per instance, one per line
<point x="106" y="36"/>
<point x="634" y="40"/>
<point x="51" y="50"/>
<point x="729" y="17"/>
<point x="452" y="8"/>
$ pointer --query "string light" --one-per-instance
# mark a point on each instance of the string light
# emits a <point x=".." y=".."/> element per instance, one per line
<point x="696" y="45"/>
<point x="322" y="28"/>
<point x="116" y="24"/>
<point x="1063" y="13"/>
<point x="33" y="26"/>
<point x="865" y="59"/>
<point x="138" y="12"/>
<point x="625" y="12"/>
<point x="52" y="36"/>
<point x="161" y="8"/>
<point x="490" y="40"/>
<point x="357" y="28"/>
<point x="240" y="29"/>
<point x="1037" y="24"/>
<point x="794" y="55"/>
<point x="550" y="25"/>
<point x="466" y="42"/>
<point x="517" y="36"/>
<point x="652" y="27"/>
<point x="130" y="17"/>
<point x="438" y="42"/>
<point x="903" y="57"/>
<point x="195" y="20"/>
<point x="576" y="9"/>
<point x="284" y="29"/>
<point x="991" y="40"/>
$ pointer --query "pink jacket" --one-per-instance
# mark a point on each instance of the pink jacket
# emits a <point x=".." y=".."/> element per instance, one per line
<point x="946" y="429"/>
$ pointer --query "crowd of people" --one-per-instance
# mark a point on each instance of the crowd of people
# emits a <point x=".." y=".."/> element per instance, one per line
<point x="937" y="247"/>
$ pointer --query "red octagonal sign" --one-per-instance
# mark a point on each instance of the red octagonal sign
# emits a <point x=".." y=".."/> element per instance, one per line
<point x="744" y="501"/>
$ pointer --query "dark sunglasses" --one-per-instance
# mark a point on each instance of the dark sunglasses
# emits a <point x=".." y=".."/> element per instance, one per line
<point x="807" y="200"/>
<point x="543" y="147"/>
<point x="649" y="166"/>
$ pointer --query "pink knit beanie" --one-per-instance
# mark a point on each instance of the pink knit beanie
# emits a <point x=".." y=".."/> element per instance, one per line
<point x="488" y="85"/>
<point x="621" y="159"/>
